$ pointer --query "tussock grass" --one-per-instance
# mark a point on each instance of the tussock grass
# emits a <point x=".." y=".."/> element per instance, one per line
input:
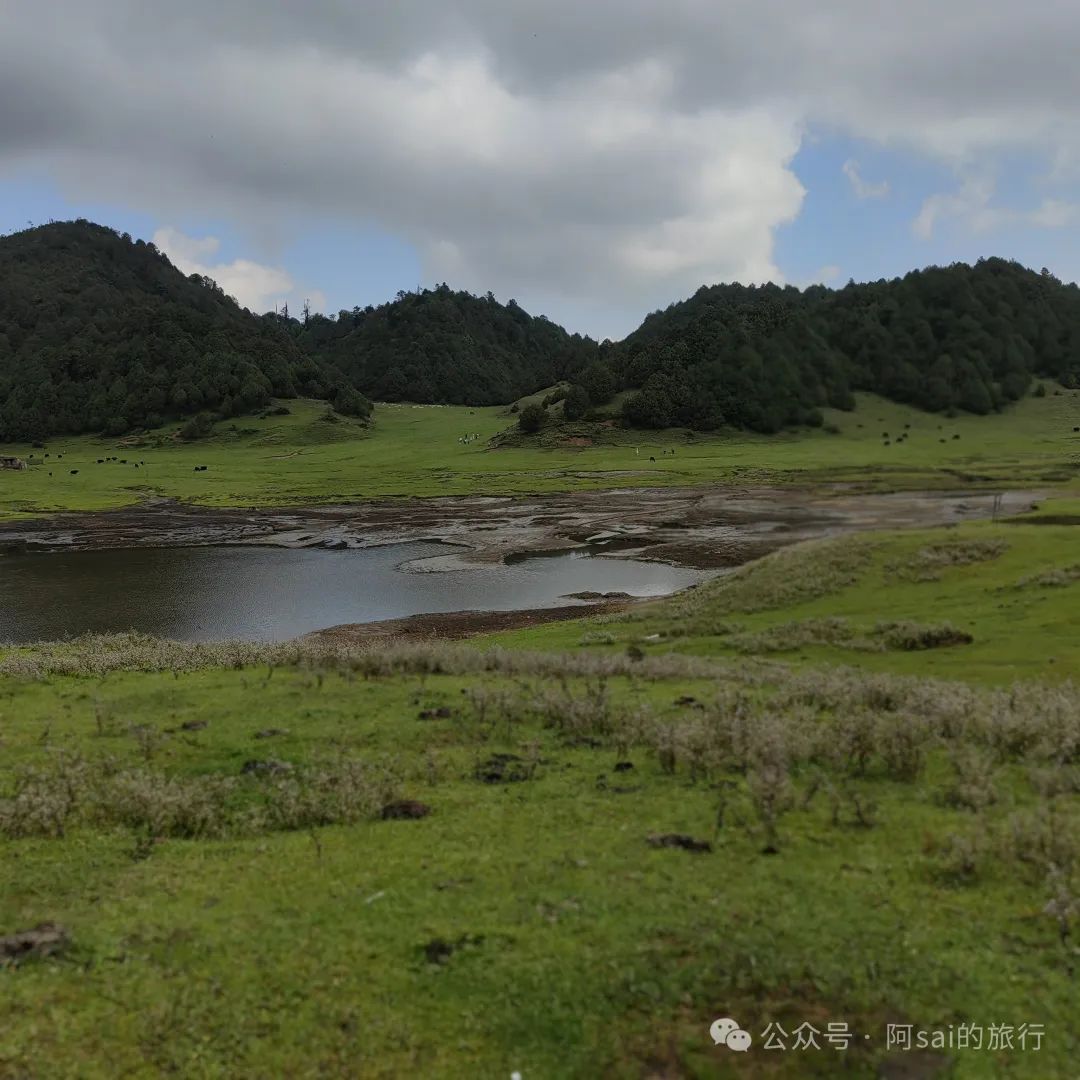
<point x="1051" y="579"/>
<point x="829" y="791"/>
<point x="71" y="791"/>
<point x="799" y="634"/>
<point x="928" y="562"/>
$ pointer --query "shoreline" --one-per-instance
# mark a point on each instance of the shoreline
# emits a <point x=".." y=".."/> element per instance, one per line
<point x="703" y="527"/>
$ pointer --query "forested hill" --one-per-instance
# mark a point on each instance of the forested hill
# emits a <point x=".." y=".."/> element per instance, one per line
<point x="438" y="345"/>
<point x="102" y="333"/>
<point x="961" y="337"/>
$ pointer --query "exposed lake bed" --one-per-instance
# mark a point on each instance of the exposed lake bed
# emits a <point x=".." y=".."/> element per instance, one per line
<point x="203" y="573"/>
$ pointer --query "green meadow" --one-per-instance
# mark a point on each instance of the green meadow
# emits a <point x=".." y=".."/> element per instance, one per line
<point x="891" y="812"/>
<point x="415" y="451"/>
<point x="837" y="786"/>
<point x="1013" y="587"/>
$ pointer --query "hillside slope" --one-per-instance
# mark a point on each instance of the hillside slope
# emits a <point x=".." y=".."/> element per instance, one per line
<point x="970" y="338"/>
<point x="102" y="333"/>
<point x="446" y="347"/>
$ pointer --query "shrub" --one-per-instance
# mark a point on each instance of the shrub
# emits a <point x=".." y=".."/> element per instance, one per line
<point x="531" y="418"/>
<point x="576" y="404"/>
<point x="198" y="427"/>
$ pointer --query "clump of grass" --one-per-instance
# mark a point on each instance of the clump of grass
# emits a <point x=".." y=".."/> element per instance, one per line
<point x="801" y="633"/>
<point x="928" y="562"/>
<point x="911" y="636"/>
<point x="1051" y="579"/>
<point x="797" y="634"/>
<point x="69" y="791"/>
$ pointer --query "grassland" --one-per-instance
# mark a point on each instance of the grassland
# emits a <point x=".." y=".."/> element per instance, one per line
<point x="884" y="851"/>
<point x="415" y="451"/>
<point x="878" y="735"/>
<point x="1013" y="587"/>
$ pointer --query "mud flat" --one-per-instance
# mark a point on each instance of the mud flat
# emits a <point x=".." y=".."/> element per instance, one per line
<point x="453" y="625"/>
<point x="705" y="527"/>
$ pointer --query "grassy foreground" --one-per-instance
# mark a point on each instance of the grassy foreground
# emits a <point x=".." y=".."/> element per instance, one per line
<point x="982" y="602"/>
<point x="308" y="860"/>
<point x="415" y="451"/>
<point x="218" y="830"/>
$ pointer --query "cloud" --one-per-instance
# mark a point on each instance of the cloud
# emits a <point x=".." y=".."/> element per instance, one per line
<point x="862" y="189"/>
<point x="253" y="285"/>
<point x="971" y="207"/>
<point x="622" y="151"/>
<point x="971" y="204"/>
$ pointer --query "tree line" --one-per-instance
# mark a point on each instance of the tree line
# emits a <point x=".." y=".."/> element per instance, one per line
<point x="944" y="339"/>
<point x="101" y="333"/>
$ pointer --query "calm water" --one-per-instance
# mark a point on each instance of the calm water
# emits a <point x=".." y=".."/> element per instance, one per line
<point x="269" y="594"/>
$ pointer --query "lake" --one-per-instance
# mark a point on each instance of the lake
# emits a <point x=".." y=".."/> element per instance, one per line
<point x="271" y="594"/>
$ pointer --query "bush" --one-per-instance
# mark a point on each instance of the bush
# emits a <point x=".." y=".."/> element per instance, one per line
<point x="198" y="427"/>
<point x="351" y="402"/>
<point x="576" y="403"/>
<point x="531" y="418"/>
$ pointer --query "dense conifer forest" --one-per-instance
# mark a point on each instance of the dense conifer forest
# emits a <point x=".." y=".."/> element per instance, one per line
<point x="963" y="338"/>
<point x="99" y="332"/>
<point x="438" y="345"/>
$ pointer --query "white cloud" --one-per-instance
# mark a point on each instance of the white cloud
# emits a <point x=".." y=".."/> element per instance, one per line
<point x="252" y="284"/>
<point x="862" y="189"/>
<point x="970" y="204"/>
<point x="971" y="207"/>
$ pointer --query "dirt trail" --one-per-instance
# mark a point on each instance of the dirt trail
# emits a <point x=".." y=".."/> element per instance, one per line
<point x="704" y="526"/>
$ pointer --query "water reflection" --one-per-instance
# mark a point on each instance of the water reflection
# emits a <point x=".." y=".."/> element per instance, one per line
<point x="270" y="594"/>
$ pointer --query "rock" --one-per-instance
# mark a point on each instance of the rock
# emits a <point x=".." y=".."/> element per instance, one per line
<point x="271" y="732"/>
<point x="405" y="810"/>
<point x="439" y="950"/>
<point x="501" y="769"/>
<point x="193" y="725"/>
<point x="679" y="840"/>
<point x="45" y="939"/>
<point x="270" y="767"/>
<point x="443" y="712"/>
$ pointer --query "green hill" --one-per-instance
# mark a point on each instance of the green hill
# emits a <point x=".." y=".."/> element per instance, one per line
<point x="944" y="339"/>
<point x="446" y="347"/>
<point x="102" y="333"/>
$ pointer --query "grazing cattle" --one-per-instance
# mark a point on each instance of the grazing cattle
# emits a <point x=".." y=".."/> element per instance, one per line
<point x="74" y="472"/>
<point x="651" y="458"/>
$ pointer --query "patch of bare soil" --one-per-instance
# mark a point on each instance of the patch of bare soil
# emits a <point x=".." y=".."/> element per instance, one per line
<point x="45" y="939"/>
<point x="703" y="527"/>
<point x="457" y="624"/>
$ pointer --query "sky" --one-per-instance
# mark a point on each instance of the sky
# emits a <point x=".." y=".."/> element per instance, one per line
<point x="593" y="161"/>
